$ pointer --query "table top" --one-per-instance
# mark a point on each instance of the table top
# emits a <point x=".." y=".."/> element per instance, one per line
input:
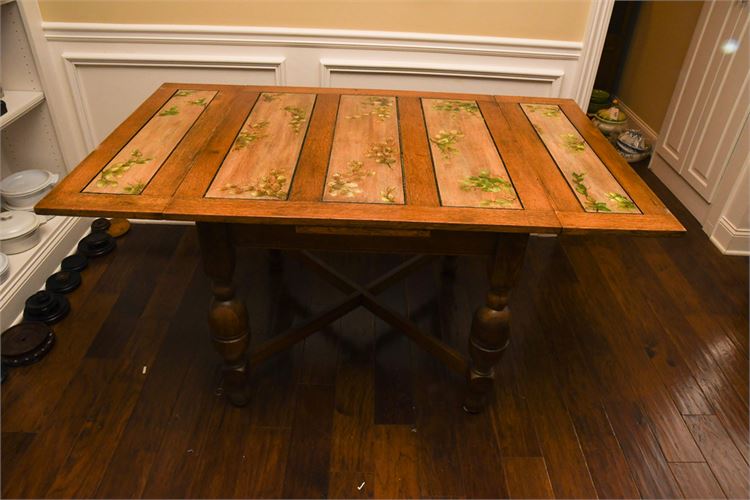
<point x="365" y="158"/>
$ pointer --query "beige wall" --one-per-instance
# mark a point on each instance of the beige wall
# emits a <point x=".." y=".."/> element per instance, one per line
<point x="660" y="41"/>
<point x="544" y="19"/>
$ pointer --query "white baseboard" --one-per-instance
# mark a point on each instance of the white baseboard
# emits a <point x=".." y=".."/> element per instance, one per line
<point x="638" y="123"/>
<point x="730" y="239"/>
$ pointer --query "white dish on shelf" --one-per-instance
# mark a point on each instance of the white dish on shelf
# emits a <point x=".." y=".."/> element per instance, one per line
<point x="18" y="231"/>
<point x="42" y="218"/>
<point x="4" y="267"/>
<point x="27" y="187"/>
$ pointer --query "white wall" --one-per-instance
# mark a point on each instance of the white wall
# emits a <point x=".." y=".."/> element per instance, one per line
<point x="105" y="70"/>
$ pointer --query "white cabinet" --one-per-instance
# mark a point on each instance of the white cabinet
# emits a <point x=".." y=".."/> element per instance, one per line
<point x="703" y="147"/>
<point x="28" y="140"/>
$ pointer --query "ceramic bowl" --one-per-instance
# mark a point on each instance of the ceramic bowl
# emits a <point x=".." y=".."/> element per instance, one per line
<point x="18" y="231"/>
<point x="22" y="190"/>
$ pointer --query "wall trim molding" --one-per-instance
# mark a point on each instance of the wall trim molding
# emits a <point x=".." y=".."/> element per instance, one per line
<point x="592" y="46"/>
<point x="330" y="66"/>
<point x="730" y="239"/>
<point x="308" y="37"/>
<point x="75" y="60"/>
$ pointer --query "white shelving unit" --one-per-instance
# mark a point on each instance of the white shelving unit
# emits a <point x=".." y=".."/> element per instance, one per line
<point x="28" y="140"/>
<point x="19" y="102"/>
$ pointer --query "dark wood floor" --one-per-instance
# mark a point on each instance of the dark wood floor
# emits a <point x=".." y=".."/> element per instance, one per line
<point x="627" y="376"/>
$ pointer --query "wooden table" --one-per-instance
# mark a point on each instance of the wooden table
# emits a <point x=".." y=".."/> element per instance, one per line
<point x="303" y="169"/>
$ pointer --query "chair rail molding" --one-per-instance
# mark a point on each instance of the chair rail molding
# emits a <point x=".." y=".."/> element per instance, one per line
<point x="311" y="37"/>
<point x="95" y="58"/>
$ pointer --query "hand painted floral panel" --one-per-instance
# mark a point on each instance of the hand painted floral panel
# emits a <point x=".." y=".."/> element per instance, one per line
<point x="365" y="161"/>
<point x="468" y="167"/>
<point x="130" y="171"/>
<point x="593" y="184"/>
<point x="263" y="157"/>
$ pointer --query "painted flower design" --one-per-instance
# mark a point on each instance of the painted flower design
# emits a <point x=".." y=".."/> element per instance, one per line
<point x="456" y="106"/>
<point x="298" y="117"/>
<point x="346" y="184"/>
<point x="252" y="132"/>
<point x="110" y="175"/>
<point x="445" y="140"/>
<point x="272" y="185"/>
<point x="379" y="107"/>
<point x="384" y="153"/>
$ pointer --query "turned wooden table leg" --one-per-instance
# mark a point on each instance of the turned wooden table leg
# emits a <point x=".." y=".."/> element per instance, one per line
<point x="227" y="315"/>
<point x="490" y="328"/>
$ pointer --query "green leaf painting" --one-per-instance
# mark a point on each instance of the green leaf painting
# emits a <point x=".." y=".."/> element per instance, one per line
<point x="136" y="187"/>
<point x="621" y="201"/>
<point x="253" y="132"/>
<point x="550" y="111"/>
<point x="110" y="175"/>
<point x="454" y="106"/>
<point x="170" y="112"/>
<point x="573" y="143"/>
<point x="446" y="140"/>
<point x="591" y="203"/>
<point x="184" y="93"/>
<point x="485" y="182"/>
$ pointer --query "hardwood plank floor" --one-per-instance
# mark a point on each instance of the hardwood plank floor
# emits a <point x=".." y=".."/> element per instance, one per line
<point x="627" y="376"/>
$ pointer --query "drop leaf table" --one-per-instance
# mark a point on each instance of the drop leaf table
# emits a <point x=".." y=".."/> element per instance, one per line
<point x="305" y="169"/>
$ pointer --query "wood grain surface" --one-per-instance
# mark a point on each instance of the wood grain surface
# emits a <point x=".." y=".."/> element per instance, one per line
<point x="468" y="168"/>
<point x="133" y="167"/>
<point x="264" y="153"/>
<point x="602" y="325"/>
<point x="596" y="188"/>
<point x="245" y="154"/>
<point x="365" y="161"/>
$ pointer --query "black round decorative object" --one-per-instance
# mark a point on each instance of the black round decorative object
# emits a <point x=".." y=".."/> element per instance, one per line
<point x="3" y="372"/>
<point x="47" y="307"/>
<point x="26" y="343"/>
<point x="96" y="244"/>
<point x="100" y="224"/>
<point x="63" y="281"/>
<point x="75" y="262"/>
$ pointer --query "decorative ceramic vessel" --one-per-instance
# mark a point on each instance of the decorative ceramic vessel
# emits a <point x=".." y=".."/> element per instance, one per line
<point x="18" y="231"/>
<point x="22" y="190"/>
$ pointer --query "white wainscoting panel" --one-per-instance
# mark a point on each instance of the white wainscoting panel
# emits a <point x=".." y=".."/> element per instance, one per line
<point x="441" y="77"/>
<point x="109" y="68"/>
<point x="95" y="78"/>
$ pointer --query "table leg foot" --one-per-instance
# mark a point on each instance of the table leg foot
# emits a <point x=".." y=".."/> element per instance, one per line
<point x="490" y="327"/>
<point x="227" y="314"/>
